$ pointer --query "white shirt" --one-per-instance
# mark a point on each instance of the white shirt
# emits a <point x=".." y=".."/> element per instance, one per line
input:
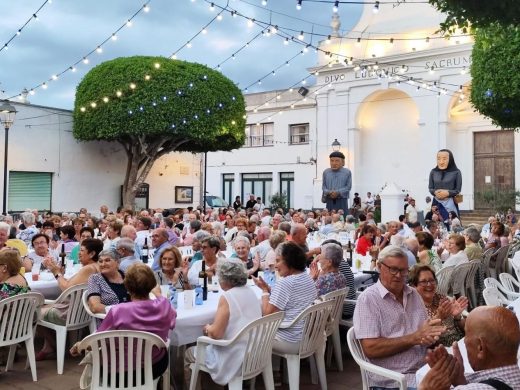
<point x="456" y="259"/>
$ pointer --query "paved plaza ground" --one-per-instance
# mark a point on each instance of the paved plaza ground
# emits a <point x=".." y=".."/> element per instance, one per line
<point x="48" y="379"/>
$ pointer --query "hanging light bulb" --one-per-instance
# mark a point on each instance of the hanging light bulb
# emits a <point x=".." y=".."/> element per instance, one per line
<point x="336" y="5"/>
<point x="299" y="5"/>
<point x="146" y="8"/>
<point x="376" y="7"/>
<point x="301" y="36"/>
<point x="328" y="39"/>
<point x="264" y="2"/>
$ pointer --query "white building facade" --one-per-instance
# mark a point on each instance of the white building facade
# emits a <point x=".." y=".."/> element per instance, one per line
<point x="50" y="170"/>
<point x="392" y="100"/>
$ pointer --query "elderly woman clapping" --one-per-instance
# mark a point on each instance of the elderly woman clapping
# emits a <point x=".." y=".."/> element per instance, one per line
<point x="329" y="278"/>
<point x="237" y="307"/>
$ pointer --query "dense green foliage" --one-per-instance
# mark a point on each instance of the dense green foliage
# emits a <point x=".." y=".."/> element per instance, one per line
<point x="478" y="13"/>
<point x="495" y="72"/>
<point x="221" y="129"/>
<point x="153" y="106"/>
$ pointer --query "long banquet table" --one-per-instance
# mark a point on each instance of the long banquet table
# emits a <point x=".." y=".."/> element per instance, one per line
<point x="190" y="322"/>
<point x="47" y="285"/>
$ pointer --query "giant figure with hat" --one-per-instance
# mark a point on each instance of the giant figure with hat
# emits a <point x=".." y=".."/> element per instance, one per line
<point x="337" y="182"/>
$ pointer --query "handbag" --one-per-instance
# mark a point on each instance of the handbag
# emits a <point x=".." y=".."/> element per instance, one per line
<point x="459" y="198"/>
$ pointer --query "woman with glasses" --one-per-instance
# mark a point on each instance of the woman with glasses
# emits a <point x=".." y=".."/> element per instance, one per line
<point x="106" y="288"/>
<point x="11" y="282"/>
<point x="439" y="306"/>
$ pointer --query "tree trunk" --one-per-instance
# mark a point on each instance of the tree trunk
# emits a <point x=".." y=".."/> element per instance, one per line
<point x="130" y="185"/>
<point x="141" y="156"/>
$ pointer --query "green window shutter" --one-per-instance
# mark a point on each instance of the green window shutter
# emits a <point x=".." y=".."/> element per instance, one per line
<point x="31" y="190"/>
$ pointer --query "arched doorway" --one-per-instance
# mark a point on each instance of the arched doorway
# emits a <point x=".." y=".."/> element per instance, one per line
<point x="389" y="143"/>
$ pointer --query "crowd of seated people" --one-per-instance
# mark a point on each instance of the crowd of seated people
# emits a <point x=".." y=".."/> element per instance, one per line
<point x="258" y="240"/>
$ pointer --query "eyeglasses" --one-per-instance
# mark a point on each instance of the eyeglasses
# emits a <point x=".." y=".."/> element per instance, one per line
<point x="394" y="271"/>
<point x="427" y="282"/>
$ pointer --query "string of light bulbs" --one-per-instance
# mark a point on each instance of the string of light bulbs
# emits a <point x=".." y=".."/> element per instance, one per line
<point x="141" y="108"/>
<point x="301" y="33"/>
<point x="85" y="58"/>
<point x="361" y="63"/>
<point x="34" y="16"/>
<point x="203" y="30"/>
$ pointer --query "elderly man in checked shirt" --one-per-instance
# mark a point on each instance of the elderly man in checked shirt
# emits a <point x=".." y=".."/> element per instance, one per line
<point x="391" y="322"/>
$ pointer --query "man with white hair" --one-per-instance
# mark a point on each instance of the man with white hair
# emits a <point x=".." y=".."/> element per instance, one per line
<point x="266" y="217"/>
<point x="125" y="248"/>
<point x="391" y="322"/>
<point x="30" y="230"/>
<point x="130" y="232"/>
<point x="400" y="241"/>
<point x="4" y="233"/>
<point x="260" y="251"/>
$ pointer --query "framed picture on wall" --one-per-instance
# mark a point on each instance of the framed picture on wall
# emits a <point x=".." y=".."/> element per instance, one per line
<point x="183" y="194"/>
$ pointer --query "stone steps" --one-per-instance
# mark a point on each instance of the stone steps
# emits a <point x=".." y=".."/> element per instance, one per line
<point x="478" y="217"/>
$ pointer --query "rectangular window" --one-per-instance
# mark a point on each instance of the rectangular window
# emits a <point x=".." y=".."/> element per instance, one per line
<point x="259" y="184"/>
<point x="299" y="134"/>
<point x="259" y="135"/>
<point x="287" y="187"/>
<point x="29" y="190"/>
<point x="228" y="184"/>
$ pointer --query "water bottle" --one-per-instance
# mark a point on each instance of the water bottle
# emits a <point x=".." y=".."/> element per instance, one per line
<point x="198" y="295"/>
<point x="173" y="296"/>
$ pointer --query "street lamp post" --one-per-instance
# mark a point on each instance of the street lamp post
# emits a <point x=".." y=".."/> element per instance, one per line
<point x="336" y="145"/>
<point x="7" y="115"/>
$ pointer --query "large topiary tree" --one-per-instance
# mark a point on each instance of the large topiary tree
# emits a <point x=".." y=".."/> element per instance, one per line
<point x="495" y="72"/>
<point x="153" y="106"/>
<point x="477" y="13"/>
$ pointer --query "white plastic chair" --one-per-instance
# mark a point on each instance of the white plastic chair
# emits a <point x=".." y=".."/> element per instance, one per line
<point x="332" y="328"/>
<point x="257" y="358"/>
<point x="106" y="351"/>
<point x="365" y="366"/>
<point x="509" y="282"/>
<point x="93" y="316"/>
<point x="510" y="295"/>
<point x="312" y="344"/>
<point x="493" y="297"/>
<point x="77" y="318"/>
<point x="17" y="316"/>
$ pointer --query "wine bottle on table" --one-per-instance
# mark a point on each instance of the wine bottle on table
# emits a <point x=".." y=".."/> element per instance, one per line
<point x="144" y="253"/>
<point x="203" y="281"/>
<point x="63" y="256"/>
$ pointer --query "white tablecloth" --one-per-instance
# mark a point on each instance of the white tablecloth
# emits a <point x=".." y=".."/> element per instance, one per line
<point x="191" y="321"/>
<point x="47" y="285"/>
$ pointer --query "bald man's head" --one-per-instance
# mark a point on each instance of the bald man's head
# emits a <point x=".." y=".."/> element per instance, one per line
<point x="492" y="337"/>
